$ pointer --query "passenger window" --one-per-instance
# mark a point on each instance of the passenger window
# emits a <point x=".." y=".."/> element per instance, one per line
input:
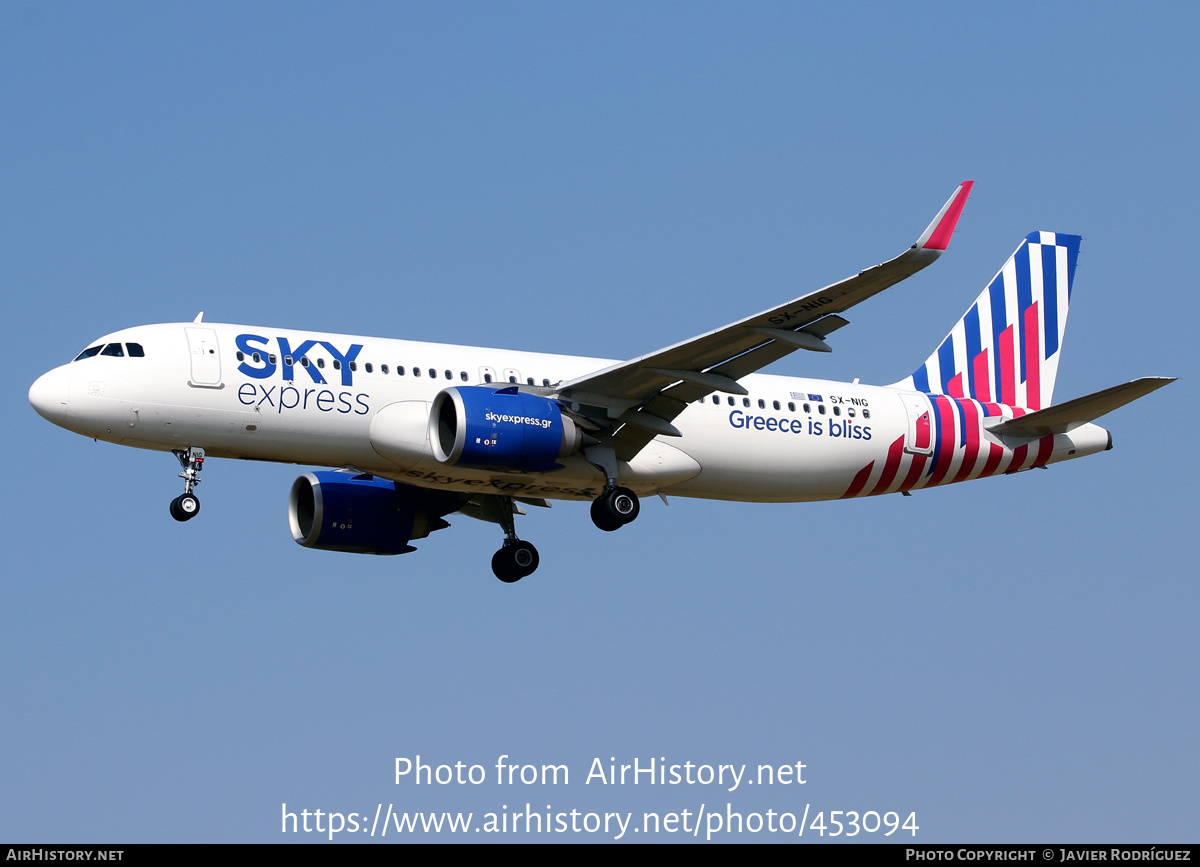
<point x="545" y="382"/>
<point x="463" y="376"/>
<point x="240" y="357"/>
<point x="487" y="377"/>
<point x="730" y="399"/>
<point x="432" y="373"/>
<point x="807" y="409"/>
<point x="762" y="404"/>
<point x="383" y="368"/>
<point x="513" y="380"/>
<point x="837" y="410"/>
<point x="866" y="413"/>
<point x="821" y="409"/>
<point x="257" y="358"/>
<point x="716" y="399"/>
<point x="88" y="353"/>
<point x="775" y="404"/>
<point x="271" y="358"/>
<point x="114" y="350"/>
<point x="354" y="365"/>
<point x="449" y="375"/>
<point x="529" y="381"/>
<point x="400" y="370"/>
<point x="337" y="365"/>
<point x="287" y="361"/>
<point x="320" y="363"/>
<point x="135" y="350"/>
<point x="304" y="361"/>
<point x="369" y="367"/>
<point x="791" y="406"/>
<point x="745" y="401"/>
<point x="416" y="371"/>
<point x="850" y="411"/>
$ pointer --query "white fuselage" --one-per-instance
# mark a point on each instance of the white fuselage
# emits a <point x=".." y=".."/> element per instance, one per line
<point x="790" y="439"/>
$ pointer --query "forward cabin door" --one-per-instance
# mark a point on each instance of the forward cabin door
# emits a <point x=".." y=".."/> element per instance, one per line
<point x="206" y="359"/>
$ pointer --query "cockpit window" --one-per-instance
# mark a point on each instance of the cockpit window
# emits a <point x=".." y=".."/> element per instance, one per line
<point x="112" y="350"/>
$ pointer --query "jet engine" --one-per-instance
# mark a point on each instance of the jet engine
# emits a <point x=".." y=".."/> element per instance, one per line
<point x="360" y="514"/>
<point x="503" y="429"/>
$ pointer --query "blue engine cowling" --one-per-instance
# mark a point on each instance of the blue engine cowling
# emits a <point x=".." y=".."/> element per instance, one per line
<point x="505" y="429"/>
<point x="360" y="514"/>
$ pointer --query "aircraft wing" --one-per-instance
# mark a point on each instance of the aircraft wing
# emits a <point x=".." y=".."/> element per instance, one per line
<point x="648" y="392"/>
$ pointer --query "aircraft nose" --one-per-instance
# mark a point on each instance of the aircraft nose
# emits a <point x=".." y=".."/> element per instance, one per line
<point x="50" y="394"/>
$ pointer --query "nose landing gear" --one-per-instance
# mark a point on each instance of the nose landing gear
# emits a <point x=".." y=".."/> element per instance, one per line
<point x="187" y="505"/>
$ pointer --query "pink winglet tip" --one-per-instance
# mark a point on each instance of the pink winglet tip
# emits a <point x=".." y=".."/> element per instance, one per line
<point x="939" y="238"/>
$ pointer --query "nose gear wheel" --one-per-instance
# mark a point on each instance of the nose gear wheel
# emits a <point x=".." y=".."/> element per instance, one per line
<point x="185" y="507"/>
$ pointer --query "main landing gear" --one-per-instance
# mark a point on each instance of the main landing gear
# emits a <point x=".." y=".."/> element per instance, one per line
<point x="187" y="505"/>
<point x="615" y="508"/>
<point x="515" y="559"/>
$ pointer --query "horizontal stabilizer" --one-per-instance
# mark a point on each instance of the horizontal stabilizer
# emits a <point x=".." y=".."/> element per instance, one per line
<point x="1074" y="413"/>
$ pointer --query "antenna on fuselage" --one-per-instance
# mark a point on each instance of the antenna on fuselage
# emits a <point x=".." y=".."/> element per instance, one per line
<point x="199" y="317"/>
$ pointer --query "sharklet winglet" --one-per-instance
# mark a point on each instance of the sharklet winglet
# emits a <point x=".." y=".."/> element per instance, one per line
<point x="937" y="235"/>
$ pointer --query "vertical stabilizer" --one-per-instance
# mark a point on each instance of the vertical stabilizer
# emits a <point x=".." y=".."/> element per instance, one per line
<point x="1005" y="349"/>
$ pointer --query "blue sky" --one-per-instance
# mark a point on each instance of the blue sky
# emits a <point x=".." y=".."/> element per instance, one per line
<point x="1012" y="659"/>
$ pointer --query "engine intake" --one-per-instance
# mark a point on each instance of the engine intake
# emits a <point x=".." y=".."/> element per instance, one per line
<point x="505" y="429"/>
<point x="360" y="514"/>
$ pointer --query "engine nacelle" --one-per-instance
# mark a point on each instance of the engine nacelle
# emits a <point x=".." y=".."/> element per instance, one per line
<point x="359" y="514"/>
<point x="505" y="429"/>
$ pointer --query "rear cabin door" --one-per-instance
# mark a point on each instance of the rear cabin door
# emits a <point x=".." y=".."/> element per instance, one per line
<point x="920" y="424"/>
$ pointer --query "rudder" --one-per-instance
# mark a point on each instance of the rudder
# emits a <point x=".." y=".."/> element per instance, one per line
<point x="1005" y="349"/>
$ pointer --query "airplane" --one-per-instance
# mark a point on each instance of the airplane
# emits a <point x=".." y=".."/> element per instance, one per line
<point x="420" y="431"/>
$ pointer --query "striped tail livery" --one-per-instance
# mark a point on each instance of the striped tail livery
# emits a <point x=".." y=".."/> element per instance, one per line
<point x="1005" y="349"/>
<point x="980" y="404"/>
